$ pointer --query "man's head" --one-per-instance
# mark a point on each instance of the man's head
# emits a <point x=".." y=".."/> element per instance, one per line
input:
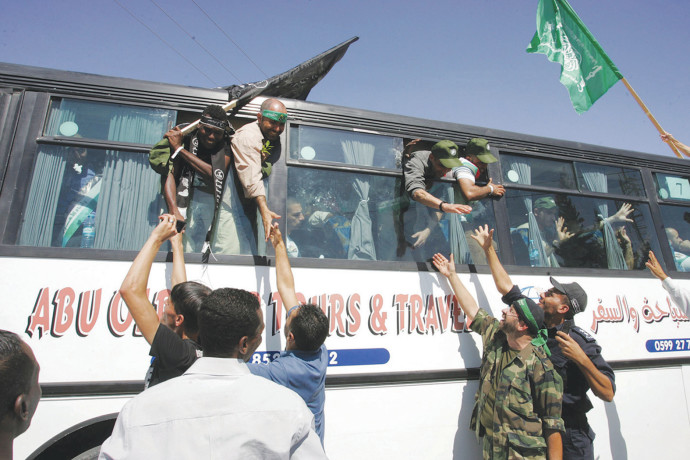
<point x="181" y="311"/>
<point x="545" y="211"/>
<point x="478" y="153"/>
<point x="272" y="118"/>
<point x="676" y="242"/>
<point x="444" y="157"/>
<point x="212" y="126"/>
<point x="230" y="324"/>
<point x="19" y="388"/>
<point x="562" y="301"/>
<point x="306" y="328"/>
<point x="522" y="317"/>
<point x="295" y="216"/>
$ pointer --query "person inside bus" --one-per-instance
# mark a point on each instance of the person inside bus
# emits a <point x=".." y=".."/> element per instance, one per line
<point x="19" y="389"/>
<point x="302" y="366"/>
<point x="574" y="353"/>
<point x="517" y="407"/>
<point x="420" y="170"/>
<point x="552" y="229"/>
<point x="317" y="230"/>
<point x="680" y="249"/>
<point x="174" y="339"/>
<point x="217" y="408"/>
<point x="78" y="197"/>
<point x="475" y="163"/>
<point x="244" y="220"/>
<point x="194" y="168"/>
<point x="679" y="296"/>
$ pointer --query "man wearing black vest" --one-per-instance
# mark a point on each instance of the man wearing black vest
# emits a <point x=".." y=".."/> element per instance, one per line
<point x="196" y="171"/>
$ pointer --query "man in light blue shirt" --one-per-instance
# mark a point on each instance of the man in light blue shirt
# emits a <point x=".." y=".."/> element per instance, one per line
<point x="302" y="366"/>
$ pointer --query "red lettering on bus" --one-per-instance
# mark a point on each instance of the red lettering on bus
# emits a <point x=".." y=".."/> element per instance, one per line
<point x="354" y="319"/>
<point x="87" y="311"/>
<point x="399" y="303"/>
<point x="336" y="306"/>
<point x="416" y="310"/>
<point x="118" y="326"/>
<point x="63" y="315"/>
<point x="39" y="320"/>
<point x="432" y="320"/>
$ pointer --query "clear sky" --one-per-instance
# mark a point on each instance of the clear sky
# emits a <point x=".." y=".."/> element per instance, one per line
<point x="452" y="60"/>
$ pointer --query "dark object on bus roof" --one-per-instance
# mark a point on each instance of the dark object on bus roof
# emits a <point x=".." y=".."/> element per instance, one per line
<point x="296" y="83"/>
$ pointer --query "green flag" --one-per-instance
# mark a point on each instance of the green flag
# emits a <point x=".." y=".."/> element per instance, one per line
<point x="586" y="71"/>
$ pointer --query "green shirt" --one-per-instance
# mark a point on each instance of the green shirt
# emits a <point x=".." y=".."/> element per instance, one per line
<point x="528" y="394"/>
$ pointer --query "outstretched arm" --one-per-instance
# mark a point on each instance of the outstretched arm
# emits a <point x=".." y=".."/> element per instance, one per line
<point x="133" y="289"/>
<point x="484" y="237"/>
<point x="447" y="268"/>
<point x="179" y="273"/>
<point x="284" y="278"/>
<point x="427" y="199"/>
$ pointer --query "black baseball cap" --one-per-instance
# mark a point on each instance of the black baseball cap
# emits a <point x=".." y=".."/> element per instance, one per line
<point x="575" y="294"/>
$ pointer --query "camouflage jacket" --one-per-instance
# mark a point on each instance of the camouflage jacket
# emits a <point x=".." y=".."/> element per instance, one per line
<point x="528" y="396"/>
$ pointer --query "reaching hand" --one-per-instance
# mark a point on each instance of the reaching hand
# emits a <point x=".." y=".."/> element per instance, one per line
<point x="499" y="190"/>
<point x="483" y="236"/>
<point x="421" y="237"/>
<point x="444" y="266"/>
<point x="267" y="219"/>
<point x="562" y="230"/>
<point x="275" y="236"/>
<point x="409" y="147"/>
<point x="655" y="267"/>
<point x="453" y="208"/>
<point x="165" y="228"/>
<point x="622" y="214"/>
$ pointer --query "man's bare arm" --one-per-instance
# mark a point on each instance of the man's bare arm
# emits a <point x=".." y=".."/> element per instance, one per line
<point x="472" y="191"/>
<point x="427" y="199"/>
<point x="284" y="278"/>
<point x="484" y="237"/>
<point x="447" y="268"/>
<point x="133" y="289"/>
<point x="267" y="215"/>
<point x="554" y="444"/>
<point x="179" y="272"/>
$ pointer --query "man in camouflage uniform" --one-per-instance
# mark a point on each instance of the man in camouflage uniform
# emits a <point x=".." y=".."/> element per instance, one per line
<point x="575" y="354"/>
<point x="517" y="409"/>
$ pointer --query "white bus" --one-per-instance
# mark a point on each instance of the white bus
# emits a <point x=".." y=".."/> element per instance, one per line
<point x="403" y="366"/>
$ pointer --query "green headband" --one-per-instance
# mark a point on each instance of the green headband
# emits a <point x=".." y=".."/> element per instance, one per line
<point x="280" y="117"/>
<point x="540" y="339"/>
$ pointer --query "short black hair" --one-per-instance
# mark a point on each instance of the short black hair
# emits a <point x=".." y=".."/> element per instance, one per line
<point x="186" y="299"/>
<point x="309" y="327"/>
<point x="227" y="315"/>
<point x="216" y="112"/>
<point x="16" y="370"/>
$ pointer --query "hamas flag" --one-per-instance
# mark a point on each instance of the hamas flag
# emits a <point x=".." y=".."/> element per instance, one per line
<point x="586" y="70"/>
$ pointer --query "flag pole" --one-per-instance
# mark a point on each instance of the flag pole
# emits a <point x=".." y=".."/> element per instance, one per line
<point x="649" y="114"/>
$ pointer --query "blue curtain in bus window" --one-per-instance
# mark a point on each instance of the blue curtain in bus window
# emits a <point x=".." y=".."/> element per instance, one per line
<point x="358" y="152"/>
<point x="596" y="181"/>
<point x="128" y="202"/>
<point x="140" y="127"/>
<point x="456" y="233"/>
<point x="41" y="206"/>
<point x="537" y="253"/>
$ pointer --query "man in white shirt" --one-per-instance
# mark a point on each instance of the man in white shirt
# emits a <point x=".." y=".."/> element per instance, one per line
<point x="218" y="409"/>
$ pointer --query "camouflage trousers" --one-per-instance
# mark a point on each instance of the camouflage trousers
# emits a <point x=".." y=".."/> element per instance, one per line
<point x="509" y="451"/>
